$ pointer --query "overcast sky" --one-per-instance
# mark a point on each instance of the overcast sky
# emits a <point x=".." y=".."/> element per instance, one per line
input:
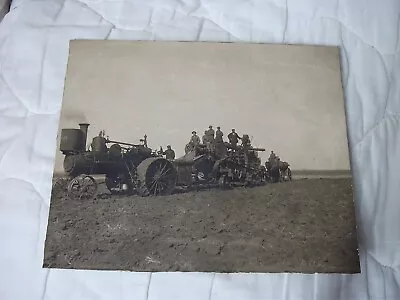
<point x="287" y="98"/>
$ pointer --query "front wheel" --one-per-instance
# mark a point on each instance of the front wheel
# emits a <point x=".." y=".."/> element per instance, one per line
<point x="82" y="187"/>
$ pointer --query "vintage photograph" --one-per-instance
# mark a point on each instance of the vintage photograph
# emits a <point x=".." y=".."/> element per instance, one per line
<point x="202" y="157"/>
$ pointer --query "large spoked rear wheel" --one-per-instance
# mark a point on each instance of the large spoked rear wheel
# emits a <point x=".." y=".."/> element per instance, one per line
<point x="157" y="176"/>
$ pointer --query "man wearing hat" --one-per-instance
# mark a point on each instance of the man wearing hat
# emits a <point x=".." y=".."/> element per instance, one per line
<point x="272" y="156"/>
<point x="205" y="138"/>
<point x="210" y="133"/>
<point x="233" y="138"/>
<point x="169" y="153"/>
<point x="219" y="135"/>
<point x="194" y="140"/>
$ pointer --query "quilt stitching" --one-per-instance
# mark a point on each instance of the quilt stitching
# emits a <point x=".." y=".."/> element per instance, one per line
<point x="367" y="133"/>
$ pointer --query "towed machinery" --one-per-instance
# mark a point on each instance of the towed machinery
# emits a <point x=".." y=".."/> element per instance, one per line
<point x="240" y="166"/>
<point x="278" y="171"/>
<point x="225" y="165"/>
<point x="127" y="167"/>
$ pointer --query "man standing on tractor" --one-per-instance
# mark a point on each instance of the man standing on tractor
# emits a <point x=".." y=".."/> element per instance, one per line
<point x="193" y="143"/>
<point x="194" y="140"/>
<point x="211" y="138"/>
<point x="205" y="138"/>
<point x="169" y="153"/>
<point x="272" y="156"/>
<point x="210" y="132"/>
<point x="246" y="141"/>
<point x="219" y="135"/>
<point x="234" y="138"/>
<point x="220" y="148"/>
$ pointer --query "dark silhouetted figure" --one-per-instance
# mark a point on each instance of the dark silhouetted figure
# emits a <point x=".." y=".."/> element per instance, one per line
<point x="219" y="135"/>
<point x="211" y="133"/>
<point x="233" y="138"/>
<point x="169" y="153"/>
<point x="194" y="140"/>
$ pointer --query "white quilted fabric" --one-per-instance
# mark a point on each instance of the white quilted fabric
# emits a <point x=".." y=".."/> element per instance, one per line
<point x="34" y="40"/>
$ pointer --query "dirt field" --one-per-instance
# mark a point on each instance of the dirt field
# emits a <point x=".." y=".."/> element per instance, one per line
<point x="301" y="226"/>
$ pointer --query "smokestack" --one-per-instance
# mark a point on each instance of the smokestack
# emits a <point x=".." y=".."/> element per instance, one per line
<point x="84" y="128"/>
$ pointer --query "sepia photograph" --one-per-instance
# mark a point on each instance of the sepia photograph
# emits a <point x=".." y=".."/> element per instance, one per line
<point x="202" y="157"/>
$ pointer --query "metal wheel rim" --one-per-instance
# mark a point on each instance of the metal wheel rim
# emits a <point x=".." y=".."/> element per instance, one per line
<point x="160" y="177"/>
<point x="82" y="187"/>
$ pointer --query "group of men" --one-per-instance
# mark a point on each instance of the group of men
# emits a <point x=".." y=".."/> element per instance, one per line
<point x="211" y="137"/>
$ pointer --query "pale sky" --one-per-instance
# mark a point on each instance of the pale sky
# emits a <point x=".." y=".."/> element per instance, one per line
<point x="287" y="98"/>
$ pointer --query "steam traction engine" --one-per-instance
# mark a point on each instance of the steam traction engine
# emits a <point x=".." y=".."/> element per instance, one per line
<point x="135" y="168"/>
<point x="127" y="167"/>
